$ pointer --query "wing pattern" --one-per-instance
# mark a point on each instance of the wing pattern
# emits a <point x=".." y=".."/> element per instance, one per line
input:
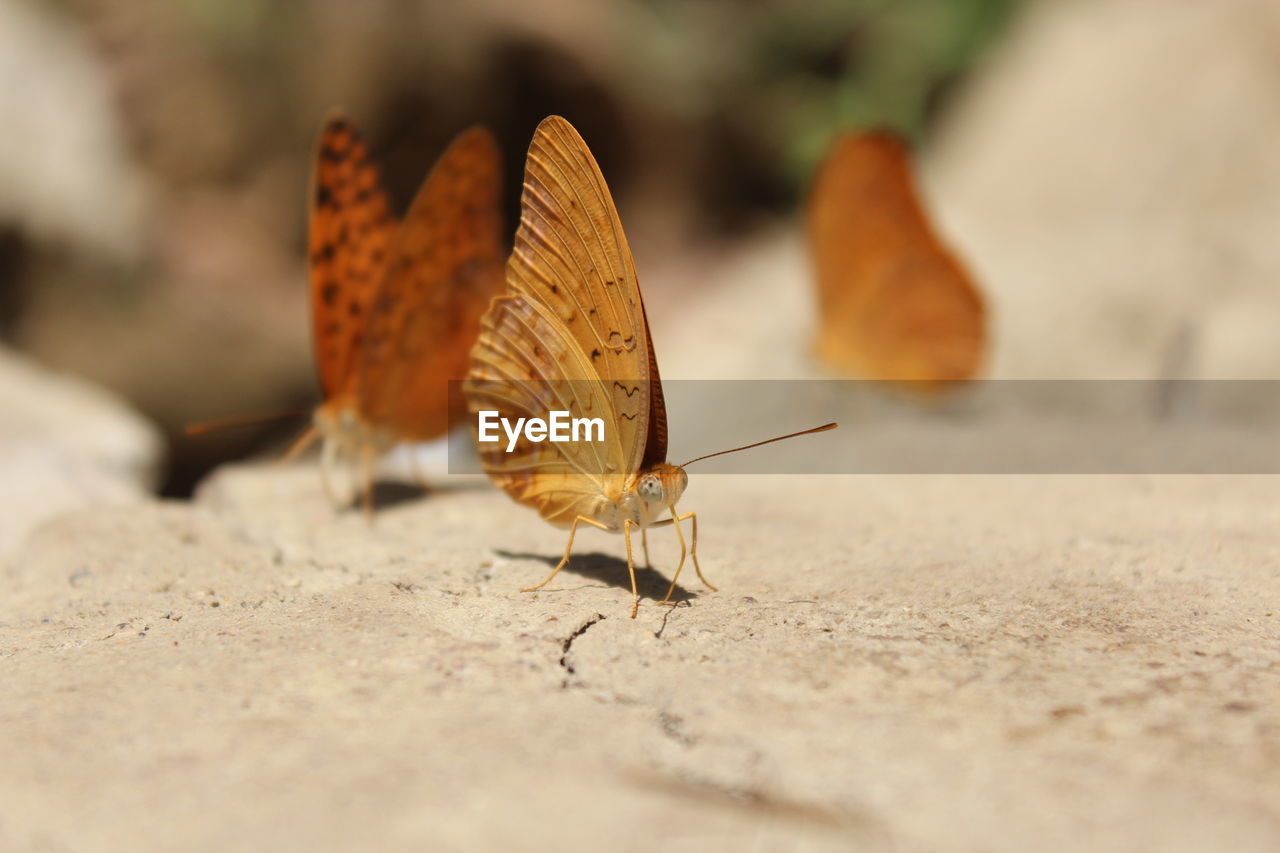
<point x="349" y="236"/>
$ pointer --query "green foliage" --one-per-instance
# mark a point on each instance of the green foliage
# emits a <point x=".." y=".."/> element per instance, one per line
<point x="795" y="74"/>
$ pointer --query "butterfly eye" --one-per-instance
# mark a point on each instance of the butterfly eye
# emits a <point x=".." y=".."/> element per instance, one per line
<point x="649" y="487"/>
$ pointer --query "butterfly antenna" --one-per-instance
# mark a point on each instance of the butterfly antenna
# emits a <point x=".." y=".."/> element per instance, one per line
<point x="300" y="444"/>
<point x="244" y="420"/>
<point x="822" y="428"/>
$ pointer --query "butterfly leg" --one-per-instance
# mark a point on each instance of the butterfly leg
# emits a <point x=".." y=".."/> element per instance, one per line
<point x="692" y="518"/>
<point x="366" y="481"/>
<point x="300" y="444"/>
<point x="564" y="561"/>
<point x="631" y="565"/>
<point x="415" y="469"/>
<point x="644" y="540"/>
<point x="675" y="521"/>
<point x="328" y="460"/>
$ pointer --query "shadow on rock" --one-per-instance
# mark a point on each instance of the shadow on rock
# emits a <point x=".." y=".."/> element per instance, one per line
<point x="609" y="569"/>
<point x="387" y="494"/>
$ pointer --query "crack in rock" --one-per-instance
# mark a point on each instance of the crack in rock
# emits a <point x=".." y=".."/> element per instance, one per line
<point x="569" y="641"/>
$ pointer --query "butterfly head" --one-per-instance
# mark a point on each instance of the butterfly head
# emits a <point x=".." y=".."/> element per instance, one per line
<point x="335" y="420"/>
<point x="661" y="485"/>
<point x="339" y="424"/>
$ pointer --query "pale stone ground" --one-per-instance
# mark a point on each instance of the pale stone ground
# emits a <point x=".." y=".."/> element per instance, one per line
<point x="891" y="663"/>
<point x="64" y="444"/>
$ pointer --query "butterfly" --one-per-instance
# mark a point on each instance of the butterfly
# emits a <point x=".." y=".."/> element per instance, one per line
<point x="571" y="334"/>
<point x="894" y="303"/>
<point x="396" y="305"/>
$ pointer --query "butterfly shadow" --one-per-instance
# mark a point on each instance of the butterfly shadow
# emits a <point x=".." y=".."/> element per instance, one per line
<point x="386" y="495"/>
<point x="389" y="493"/>
<point x="608" y="569"/>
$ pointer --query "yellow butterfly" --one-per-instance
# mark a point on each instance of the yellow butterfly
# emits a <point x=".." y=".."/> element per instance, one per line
<point x="571" y="335"/>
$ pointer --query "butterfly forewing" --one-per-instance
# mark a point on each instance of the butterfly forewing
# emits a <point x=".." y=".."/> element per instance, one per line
<point x="349" y="235"/>
<point x="572" y="257"/>
<point x="444" y="267"/>
<point x="894" y="302"/>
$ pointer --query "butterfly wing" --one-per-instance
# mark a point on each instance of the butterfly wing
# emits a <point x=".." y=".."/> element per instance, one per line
<point x="445" y="266"/>
<point x="350" y="231"/>
<point x="894" y="302"/>
<point x="572" y="335"/>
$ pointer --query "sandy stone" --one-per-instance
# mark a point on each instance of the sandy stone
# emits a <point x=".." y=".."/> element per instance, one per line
<point x="66" y="444"/>
<point x="956" y="663"/>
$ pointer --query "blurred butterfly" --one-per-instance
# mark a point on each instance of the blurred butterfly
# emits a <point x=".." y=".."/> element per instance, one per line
<point x="571" y="335"/>
<point x="894" y="303"/>
<point x="396" y="305"/>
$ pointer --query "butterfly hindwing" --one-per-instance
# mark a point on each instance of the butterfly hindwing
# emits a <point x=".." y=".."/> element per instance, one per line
<point x="348" y="239"/>
<point x="525" y="365"/>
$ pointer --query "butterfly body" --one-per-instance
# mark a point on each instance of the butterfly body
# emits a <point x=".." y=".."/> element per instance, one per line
<point x="644" y="499"/>
<point x="341" y="428"/>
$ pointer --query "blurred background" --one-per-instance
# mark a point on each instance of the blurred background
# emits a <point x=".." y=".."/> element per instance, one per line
<point x="1106" y="169"/>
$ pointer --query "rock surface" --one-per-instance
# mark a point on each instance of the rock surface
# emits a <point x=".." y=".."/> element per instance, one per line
<point x="1060" y="663"/>
<point x="65" y="444"/>
<point x="1111" y="177"/>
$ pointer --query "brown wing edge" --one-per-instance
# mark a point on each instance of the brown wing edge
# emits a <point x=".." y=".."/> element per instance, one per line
<point x="655" y="445"/>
